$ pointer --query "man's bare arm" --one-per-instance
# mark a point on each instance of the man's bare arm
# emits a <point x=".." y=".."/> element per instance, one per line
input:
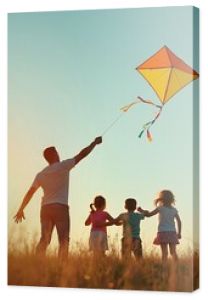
<point x="87" y="150"/>
<point x="20" y="213"/>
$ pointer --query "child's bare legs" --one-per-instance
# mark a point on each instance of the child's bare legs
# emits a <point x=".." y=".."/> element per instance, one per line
<point x="98" y="253"/>
<point x="164" y="249"/>
<point x="172" y="248"/>
<point x="137" y="248"/>
<point x="126" y="248"/>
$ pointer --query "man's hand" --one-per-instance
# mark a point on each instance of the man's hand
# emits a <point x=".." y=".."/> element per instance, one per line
<point x="98" y="140"/>
<point x="86" y="151"/>
<point x="19" y="216"/>
<point x="179" y="236"/>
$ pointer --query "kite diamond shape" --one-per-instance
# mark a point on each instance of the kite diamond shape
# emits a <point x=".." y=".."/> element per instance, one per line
<point x="166" y="73"/>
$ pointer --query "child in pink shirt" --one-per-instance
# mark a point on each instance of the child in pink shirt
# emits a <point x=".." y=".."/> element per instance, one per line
<point x="98" y="216"/>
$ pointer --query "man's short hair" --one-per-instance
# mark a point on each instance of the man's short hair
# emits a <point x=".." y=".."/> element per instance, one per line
<point x="48" y="153"/>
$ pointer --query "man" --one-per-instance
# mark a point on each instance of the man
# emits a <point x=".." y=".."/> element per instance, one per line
<point x="54" y="180"/>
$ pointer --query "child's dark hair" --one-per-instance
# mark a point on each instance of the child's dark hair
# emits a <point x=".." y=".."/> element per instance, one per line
<point x="99" y="202"/>
<point x="166" y="198"/>
<point x="92" y="207"/>
<point x="130" y="204"/>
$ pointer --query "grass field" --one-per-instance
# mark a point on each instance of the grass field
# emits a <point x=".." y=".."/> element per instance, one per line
<point x="82" y="271"/>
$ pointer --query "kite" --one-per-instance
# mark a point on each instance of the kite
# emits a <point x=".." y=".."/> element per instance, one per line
<point x="167" y="74"/>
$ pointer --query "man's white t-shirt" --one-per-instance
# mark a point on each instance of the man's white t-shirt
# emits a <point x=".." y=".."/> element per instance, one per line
<point x="167" y="218"/>
<point x="54" y="180"/>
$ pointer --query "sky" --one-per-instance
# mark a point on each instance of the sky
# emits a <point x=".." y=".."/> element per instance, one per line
<point x="69" y="73"/>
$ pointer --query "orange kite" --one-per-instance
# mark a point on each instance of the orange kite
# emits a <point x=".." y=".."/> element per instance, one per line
<point x="167" y="74"/>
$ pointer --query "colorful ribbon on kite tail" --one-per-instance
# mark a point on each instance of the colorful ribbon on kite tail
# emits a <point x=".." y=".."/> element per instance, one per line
<point x="148" y="125"/>
<point x="139" y="100"/>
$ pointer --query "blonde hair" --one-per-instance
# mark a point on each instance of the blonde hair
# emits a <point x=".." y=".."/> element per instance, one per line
<point x="166" y="198"/>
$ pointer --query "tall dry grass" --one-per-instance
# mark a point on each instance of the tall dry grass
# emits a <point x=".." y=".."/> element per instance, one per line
<point x="81" y="270"/>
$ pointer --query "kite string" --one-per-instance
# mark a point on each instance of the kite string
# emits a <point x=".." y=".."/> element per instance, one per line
<point x="146" y="126"/>
<point x="112" y="124"/>
<point x="123" y="110"/>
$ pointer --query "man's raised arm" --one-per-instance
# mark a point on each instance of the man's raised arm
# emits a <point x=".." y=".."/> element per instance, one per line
<point x="20" y="213"/>
<point x="87" y="150"/>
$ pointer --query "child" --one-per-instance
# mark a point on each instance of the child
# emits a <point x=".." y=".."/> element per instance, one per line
<point x="131" y="241"/>
<point x="98" y="217"/>
<point x="166" y="228"/>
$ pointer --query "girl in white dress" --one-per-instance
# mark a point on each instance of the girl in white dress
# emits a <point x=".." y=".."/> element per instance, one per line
<point x="168" y="214"/>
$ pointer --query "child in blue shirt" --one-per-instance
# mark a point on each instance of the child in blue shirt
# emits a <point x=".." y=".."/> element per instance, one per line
<point x="131" y="241"/>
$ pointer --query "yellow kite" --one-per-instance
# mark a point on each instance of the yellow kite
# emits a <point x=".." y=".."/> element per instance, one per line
<point x="167" y="74"/>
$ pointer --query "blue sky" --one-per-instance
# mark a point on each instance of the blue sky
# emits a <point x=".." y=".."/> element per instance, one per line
<point x="69" y="74"/>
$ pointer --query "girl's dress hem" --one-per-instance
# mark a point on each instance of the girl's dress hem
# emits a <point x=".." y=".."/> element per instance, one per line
<point x="169" y="237"/>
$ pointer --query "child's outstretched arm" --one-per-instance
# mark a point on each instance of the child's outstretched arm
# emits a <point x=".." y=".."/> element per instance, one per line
<point x="88" y="220"/>
<point x="179" y="225"/>
<point x="110" y="220"/>
<point x="147" y="213"/>
<point x="118" y="221"/>
<point x="109" y="223"/>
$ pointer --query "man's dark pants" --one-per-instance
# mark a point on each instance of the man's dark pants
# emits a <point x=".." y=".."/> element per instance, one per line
<point x="54" y="215"/>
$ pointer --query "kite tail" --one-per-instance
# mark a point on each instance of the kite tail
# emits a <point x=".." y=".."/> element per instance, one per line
<point x="148" y="125"/>
<point x="138" y="100"/>
<point x="149" y="136"/>
<point x="149" y="102"/>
